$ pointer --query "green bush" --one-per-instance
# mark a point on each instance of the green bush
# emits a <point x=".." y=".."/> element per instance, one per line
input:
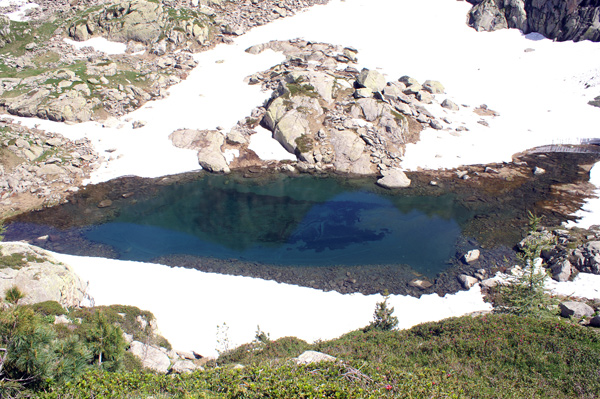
<point x="48" y="308"/>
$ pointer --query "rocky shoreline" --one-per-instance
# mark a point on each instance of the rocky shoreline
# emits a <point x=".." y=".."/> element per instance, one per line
<point x="507" y="188"/>
<point x="40" y="169"/>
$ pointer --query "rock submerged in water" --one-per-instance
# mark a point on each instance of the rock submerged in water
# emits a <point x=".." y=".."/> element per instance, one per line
<point x="394" y="178"/>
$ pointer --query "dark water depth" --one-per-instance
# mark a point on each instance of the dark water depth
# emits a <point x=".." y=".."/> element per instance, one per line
<point x="299" y="221"/>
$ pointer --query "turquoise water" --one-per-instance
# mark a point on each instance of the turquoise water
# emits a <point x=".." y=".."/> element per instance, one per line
<point x="302" y="221"/>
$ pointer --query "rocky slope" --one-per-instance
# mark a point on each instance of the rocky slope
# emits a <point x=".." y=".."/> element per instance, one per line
<point x="331" y="116"/>
<point x="39" y="168"/>
<point x="43" y="76"/>
<point x="555" y="19"/>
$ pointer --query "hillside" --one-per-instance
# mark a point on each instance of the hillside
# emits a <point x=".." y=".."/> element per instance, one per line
<point x="488" y="356"/>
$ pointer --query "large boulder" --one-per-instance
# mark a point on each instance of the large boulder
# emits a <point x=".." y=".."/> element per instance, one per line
<point x="27" y="104"/>
<point x="137" y="20"/>
<point x="208" y="143"/>
<point x="293" y="125"/>
<point x="321" y="82"/>
<point x="70" y="106"/>
<point x="562" y="270"/>
<point x="575" y="309"/>
<point x="555" y="19"/>
<point x="210" y="156"/>
<point x="371" y="108"/>
<point x="487" y="16"/>
<point x="371" y="79"/>
<point x="393" y="178"/>
<point x="350" y="155"/>
<point x="150" y="356"/>
<point x="309" y="357"/>
<point x="40" y="276"/>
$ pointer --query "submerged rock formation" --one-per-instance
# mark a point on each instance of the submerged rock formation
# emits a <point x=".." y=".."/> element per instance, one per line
<point x="555" y="19"/>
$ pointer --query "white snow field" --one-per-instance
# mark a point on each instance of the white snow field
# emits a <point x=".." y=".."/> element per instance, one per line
<point x="189" y="304"/>
<point x="540" y="94"/>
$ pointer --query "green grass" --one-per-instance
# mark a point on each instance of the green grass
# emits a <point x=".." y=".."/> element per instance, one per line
<point x="18" y="260"/>
<point x="298" y="89"/>
<point x="493" y="356"/>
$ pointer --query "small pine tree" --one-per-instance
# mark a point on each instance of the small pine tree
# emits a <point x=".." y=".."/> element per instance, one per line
<point x="261" y="336"/>
<point x="383" y="319"/>
<point x="106" y="342"/>
<point x="13" y="295"/>
<point x="526" y="295"/>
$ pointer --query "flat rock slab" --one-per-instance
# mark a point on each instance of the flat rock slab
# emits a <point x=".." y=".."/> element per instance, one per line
<point x="313" y="357"/>
<point x="394" y="178"/>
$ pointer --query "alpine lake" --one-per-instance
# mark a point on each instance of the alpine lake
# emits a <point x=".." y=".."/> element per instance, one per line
<point x="326" y="232"/>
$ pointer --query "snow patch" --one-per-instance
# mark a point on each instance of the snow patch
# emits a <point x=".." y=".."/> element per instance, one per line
<point x="99" y="44"/>
<point x="189" y="304"/>
<point x="267" y="148"/>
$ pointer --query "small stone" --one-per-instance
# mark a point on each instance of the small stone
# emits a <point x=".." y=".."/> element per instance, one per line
<point x="467" y="281"/>
<point x="104" y="203"/>
<point x="471" y="256"/>
<point x="538" y="171"/>
<point x="420" y="284"/>
<point x="435" y="124"/>
<point x="449" y="105"/>
<point x="54" y="142"/>
<point x="138" y="124"/>
<point x="489" y="283"/>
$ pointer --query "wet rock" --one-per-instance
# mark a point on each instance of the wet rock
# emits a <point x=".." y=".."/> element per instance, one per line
<point x="595" y="321"/>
